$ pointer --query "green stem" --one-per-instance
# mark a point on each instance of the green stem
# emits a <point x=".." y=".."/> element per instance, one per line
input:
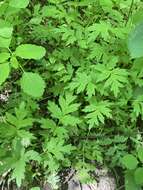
<point x="130" y="12"/>
<point x="9" y="51"/>
<point x="84" y="147"/>
<point x="21" y="68"/>
<point x="18" y="62"/>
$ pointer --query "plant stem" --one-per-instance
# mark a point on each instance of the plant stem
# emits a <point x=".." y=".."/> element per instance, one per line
<point x="130" y="12"/>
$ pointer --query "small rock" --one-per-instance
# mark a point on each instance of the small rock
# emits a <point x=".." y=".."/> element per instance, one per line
<point x="106" y="182"/>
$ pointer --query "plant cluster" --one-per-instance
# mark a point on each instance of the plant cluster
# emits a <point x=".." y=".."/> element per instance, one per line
<point x="73" y="77"/>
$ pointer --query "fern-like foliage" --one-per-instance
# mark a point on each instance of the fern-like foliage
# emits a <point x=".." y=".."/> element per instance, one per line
<point x="113" y="78"/>
<point x="97" y="112"/>
<point x="64" y="112"/>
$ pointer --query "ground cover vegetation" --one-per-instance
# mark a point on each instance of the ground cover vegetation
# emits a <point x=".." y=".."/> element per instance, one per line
<point x="71" y="84"/>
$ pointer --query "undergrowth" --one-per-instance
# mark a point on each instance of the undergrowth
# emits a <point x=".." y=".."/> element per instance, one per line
<point x="71" y="83"/>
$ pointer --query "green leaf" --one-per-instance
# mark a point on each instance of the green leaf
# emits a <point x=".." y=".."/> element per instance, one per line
<point x="21" y="119"/>
<point x="97" y="111"/>
<point x="135" y="42"/>
<point x="5" y="42"/>
<point x="32" y="84"/>
<point x="4" y="57"/>
<point x="139" y="176"/>
<point x="32" y="155"/>
<point x="35" y="188"/>
<point x="129" y="161"/>
<point x="137" y="16"/>
<point x="130" y="182"/>
<point x="5" y="34"/>
<point x="11" y="119"/>
<point x="67" y="105"/>
<point x="26" y="137"/>
<point x="14" y="62"/>
<point x="48" y="124"/>
<point x="80" y="82"/>
<point x="106" y="4"/>
<point x="83" y="82"/>
<point x="5" y="29"/>
<point x="84" y="176"/>
<point x="140" y="153"/>
<point x="4" y="72"/>
<point x="58" y="148"/>
<point x="99" y="29"/>
<point x="19" y="3"/>
<point x="19" y="170"/>
<point x="64" y="111"/>
<point x="114" y="78"/>
<point x="55" y="110"/>
<point x="30" y="51"/>
<point x="70" y="120"/>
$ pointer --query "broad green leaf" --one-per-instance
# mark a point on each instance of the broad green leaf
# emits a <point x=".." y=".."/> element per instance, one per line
<point x="140" y="154"/>
<point x="139" y="176"/>
<point x="5" y="29"/>
<point x="106" y="4"/>
<point x="135" y="42"/>
<point x="30" y="51"/>
<point x="4" y="57"/>
<point x="32" y="84"/>
<point x="137" y="16"/>
<point x="5" y="42"/>
<point x="4" y="72"/>
<point x="130" y="161"/>
<point x="5" y="34"/>
<point x="130" y="182"/>
<point x="19" y="3"/>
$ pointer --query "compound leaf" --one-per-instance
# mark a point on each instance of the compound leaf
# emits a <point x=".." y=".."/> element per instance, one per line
<point x="97" y="111"/>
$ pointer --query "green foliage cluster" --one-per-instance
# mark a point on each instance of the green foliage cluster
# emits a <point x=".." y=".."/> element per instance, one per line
<point x="73" y="71"/>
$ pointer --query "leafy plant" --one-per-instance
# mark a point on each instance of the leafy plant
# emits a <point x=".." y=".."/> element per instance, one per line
<point x="71" y="83"/>
<point x="134" y="172"/>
